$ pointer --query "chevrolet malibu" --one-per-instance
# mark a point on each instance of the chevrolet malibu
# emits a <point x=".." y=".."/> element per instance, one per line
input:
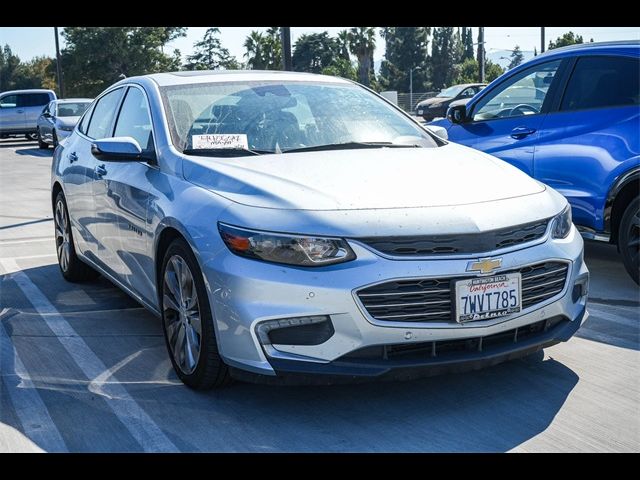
<point x="296" y="227"/>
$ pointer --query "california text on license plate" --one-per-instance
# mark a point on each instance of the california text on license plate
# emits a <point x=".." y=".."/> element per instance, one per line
<point x="487" y="297"/>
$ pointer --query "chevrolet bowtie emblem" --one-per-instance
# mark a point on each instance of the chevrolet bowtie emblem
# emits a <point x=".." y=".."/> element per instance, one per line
<point x="484" y="265"/>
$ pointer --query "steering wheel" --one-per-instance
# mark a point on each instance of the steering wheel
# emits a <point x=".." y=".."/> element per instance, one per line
<point x="520" y="109"/>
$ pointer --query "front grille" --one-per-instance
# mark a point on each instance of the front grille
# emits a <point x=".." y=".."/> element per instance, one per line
<point x="475" y="243"/>
<point x="429" y="300"/>
<point x="443" y="349"/>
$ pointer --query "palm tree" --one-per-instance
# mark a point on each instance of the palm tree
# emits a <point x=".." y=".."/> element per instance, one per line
<point x="254" y="46"/>
<point x="342" y="39"/>
<point x="362" y="43"/>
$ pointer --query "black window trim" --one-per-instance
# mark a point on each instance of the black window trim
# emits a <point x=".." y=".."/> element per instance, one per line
<point x="569" y="74"/>
<point x="549" y="99"/>
<point x="151" y="155"/>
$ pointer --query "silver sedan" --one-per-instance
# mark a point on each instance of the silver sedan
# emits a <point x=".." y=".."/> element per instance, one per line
<point x="58" y="119"/>
<point x="299" y="227"/>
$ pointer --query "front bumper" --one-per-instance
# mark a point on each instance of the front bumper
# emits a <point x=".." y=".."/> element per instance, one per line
<point x="245" y="292"/>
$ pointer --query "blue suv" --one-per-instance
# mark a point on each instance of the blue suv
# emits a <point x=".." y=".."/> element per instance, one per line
<point x="571" y="119"/>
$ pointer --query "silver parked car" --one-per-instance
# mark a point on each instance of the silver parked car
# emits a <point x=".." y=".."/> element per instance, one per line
<point x="58" y="119"/>
<point x="300" y="227"/>
<point x="19" y="111"/>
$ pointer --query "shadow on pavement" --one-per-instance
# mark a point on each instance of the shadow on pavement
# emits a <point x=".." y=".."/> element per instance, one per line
<point x="35" y="152"/>
<point x="495" y="409"/>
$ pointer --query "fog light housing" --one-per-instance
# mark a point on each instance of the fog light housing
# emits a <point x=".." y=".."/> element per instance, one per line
<point x="296" y="330"/>
<point x="580" y="288"/>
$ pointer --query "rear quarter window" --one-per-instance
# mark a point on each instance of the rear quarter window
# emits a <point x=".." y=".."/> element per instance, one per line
<point x="603" y="81"/>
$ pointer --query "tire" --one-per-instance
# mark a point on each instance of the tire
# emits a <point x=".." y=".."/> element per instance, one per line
<point x="32" y="136"/>
<point x="629" y="239"/>
<point x="199" y="369"/>
<point x="42" y="144"/>
<point x="55" y="138"/>
<point x="72" y="268"/>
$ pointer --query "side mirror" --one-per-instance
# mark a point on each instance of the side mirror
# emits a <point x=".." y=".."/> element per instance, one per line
<point x="117" y="149"/>
<point x="46" y="115"/>
<point x="438" y="131"/>
<point x="457" y="114"/>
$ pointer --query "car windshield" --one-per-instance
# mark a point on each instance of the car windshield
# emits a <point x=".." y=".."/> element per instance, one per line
<point x="451" y="91"/>
<point x="72" y="109"/>
<point x="274" y="117"/>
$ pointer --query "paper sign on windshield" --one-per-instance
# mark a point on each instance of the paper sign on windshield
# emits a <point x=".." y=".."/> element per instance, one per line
<point x="220" y="140"/>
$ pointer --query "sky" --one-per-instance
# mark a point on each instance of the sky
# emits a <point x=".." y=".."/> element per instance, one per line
<point x="27" y="42"/>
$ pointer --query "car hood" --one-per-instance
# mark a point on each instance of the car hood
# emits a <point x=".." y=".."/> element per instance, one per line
<point x="383" y="178"/>
<point x="434" y="101"/>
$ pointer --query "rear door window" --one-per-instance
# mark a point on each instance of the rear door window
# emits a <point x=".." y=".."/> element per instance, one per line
<point x="10" y="101"/>
<point x="603" y="81"/>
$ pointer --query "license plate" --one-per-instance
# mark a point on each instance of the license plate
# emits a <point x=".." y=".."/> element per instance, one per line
<point x="487" y="297"/>
<point x="419" y="111"/>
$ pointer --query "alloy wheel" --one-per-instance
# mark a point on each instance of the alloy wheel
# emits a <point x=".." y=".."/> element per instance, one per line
<point x="63" y="238"/>
<point x="182" y="314"/>
<point x="633" y="239"/>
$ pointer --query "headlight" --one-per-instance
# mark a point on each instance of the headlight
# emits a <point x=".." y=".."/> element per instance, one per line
<point x="283" y="248"/>
<point x="65" y="128"/>
<point x="562" y="223"/>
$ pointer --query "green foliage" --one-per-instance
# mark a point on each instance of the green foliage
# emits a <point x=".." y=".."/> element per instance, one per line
<point x="443" y="57"/>
<point x="95" y="57"/>
<point x="467" y="43"/>
<point x="264" y="51"/>
<point x="406" y="48"/>
<point x="341" y="67"/>
<point x="14" y="74"/>
<point x="492" y="71"/>
<point x="209" y="54"/>
<point x="516" y="57"/>
<point x="566" y="39"/>
<point x="362" y="43"/>
<point x="342" y="40"/>
<point x="315" y="52"/>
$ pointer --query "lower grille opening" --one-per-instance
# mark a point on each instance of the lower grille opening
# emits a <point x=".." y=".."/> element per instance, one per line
<point x="447" y="348"/>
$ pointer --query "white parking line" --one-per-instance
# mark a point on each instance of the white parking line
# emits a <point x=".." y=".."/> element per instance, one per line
<point x="44" y="255"/>
<point x="150" y="437"/>
<point x="37" y="424"/>
<point x="28" y="240"/>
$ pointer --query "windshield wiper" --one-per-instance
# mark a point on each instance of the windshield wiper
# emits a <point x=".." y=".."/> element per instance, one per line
<point x="350" y="145"/>
<point x="224" y="152"/>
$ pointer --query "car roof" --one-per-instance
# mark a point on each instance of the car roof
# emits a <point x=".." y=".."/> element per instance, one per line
<point x="28" y="90"/>
<point x="211" y="76"/>
<point x="630" y="46"/>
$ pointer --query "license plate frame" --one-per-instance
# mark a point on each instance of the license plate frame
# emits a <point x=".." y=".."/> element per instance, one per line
<point x="484" y="292"/>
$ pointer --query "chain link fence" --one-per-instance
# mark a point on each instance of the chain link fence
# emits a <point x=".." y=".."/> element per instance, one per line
<point x="408" y="101"/>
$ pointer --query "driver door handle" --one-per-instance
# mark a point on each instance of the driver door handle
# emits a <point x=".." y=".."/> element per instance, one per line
<point x="72" y="157"/>
<point x="521" y="132"/>
<point x="100" y="170"/>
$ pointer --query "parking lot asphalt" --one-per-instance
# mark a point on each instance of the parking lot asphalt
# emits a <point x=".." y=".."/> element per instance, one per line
<point x="83" y="368"/>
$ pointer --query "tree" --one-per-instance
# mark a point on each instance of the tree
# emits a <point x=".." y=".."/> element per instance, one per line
<point x="566" y="39"/>
<point x="467" y="43"/>
<point x="362" y="43"/>
<point x="209" y="54"/>
<point x="342" y="40"/>
<point x="95" y="57"/>
<point x="341" y="68"/>
<point x="264" y="51"/>
<point x="314" y="52"/>
<point x="467" y="72"/>
<point x="492" y="71"/>
<point x="443" y="57"/>
<point x="516" y="57"/>
<point x="406" y="49"/>
<point x="15" y="74"/>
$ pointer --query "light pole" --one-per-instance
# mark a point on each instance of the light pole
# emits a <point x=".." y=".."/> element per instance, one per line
<point x="411" y="87"/>
<point x="58" y="66"/>
<point x="541" y="39"/>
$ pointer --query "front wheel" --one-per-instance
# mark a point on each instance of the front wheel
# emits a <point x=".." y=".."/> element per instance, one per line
<point x="629" y="239"/>
<point x="187" y="321"/>
<point x="55" y="139"/>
